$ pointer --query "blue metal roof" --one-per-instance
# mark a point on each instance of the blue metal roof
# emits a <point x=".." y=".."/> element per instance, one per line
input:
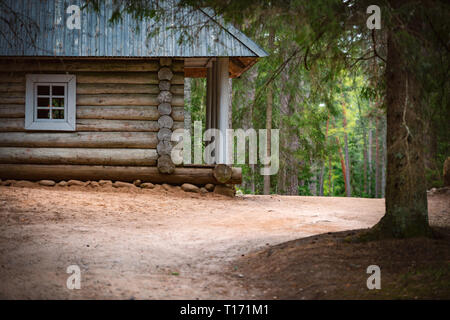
<point x="44" y="33"/>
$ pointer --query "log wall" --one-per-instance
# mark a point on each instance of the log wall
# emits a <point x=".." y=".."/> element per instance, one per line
<point x="117" y="110"/>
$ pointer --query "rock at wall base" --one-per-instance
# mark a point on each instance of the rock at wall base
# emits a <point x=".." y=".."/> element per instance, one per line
<point x="190" y="188"/>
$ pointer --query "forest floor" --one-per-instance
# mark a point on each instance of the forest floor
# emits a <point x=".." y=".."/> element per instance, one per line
<point x="155" y="244"/>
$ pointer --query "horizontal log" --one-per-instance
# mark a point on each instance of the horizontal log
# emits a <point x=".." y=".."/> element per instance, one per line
<point x="117" y="125"/>
<point x="165" y="61"/>
<point x="8" y="125"/>
<point x="126" y="77"/>
<point x="102" y="88"/>
<point x="139" y="140"/>
<point x="177" y="125"/>
<point x="177" y="65"/>
<point x="93" y="112"/>
<point x="177" y="89"/>
<point x="6" y="98"/>
<point x="99" y="125"/>
<point x="140" y="157"/>
<point x="118" y="112"/>
<point x="35" y="65"/>
<point x="98" y="77"/>
<point x="12" y="77"/>
<point x="18" y="89"/>
<point x="13" y="87"/>
<point x="12" y="110"/>
<point x="178" y="114"/>
<point x="121" y="99"/>
<point x="198" y="176"/>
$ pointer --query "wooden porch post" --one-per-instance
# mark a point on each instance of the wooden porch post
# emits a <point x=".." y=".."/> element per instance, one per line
<point x="223" y="98"/>
<point x="217" y="104"/>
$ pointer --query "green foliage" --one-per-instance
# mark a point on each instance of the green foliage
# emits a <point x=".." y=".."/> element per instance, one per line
<point x="323" y="57"/>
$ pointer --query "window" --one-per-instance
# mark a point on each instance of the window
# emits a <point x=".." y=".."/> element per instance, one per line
<point x="50" y="102"/>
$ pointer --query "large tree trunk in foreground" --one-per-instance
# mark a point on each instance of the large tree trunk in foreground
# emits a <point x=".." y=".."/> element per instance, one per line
<point x="406" y="197"/>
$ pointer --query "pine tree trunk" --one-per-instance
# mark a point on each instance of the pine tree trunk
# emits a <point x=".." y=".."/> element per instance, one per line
<point x="383" y="160"/>
<point x="322" y="169"/>
<point x="230" y="105"/>
<point x="406" y="197"/>
<point x="247" y="121"/>
<point x="347" y="156"/>
<point x="268" y="128"/>
<point x="289" y="143"/>
<point x="321" y="176"/>
<point x="269" y="113"/>
<point x="313" y="185"/>
<point x="330" y="170"/>
<point x="344" y="170"/>
<point x="363" y="127"/>
<point x="377" y="158"/>
<point x="369" y="156"/>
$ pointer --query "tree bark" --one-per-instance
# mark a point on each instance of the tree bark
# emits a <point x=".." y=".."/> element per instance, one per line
<point x="383" y="160"/>
<point x="363" y="127"/>
<point x="330" y="170"/>
<point x="344" y="170"/>
<point x="322" y="169"/>
<point x="269" y="113"/>
<point x="406" y="197"/>
<point x="247" y="120"/>
<point x="369" y="160"/>
<point x="347" y="156"/>
<point x="377" y="158"/>
<point x="268" y="128"/>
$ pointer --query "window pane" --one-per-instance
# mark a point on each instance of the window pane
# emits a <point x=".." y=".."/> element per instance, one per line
<point x="43" y="114"/>
<point x="43" y="90"/>
<point x="57" y="90"/>
<point x="58" y="102"/>
<point x="43" y="102"/>
<point x="58" y="114"/>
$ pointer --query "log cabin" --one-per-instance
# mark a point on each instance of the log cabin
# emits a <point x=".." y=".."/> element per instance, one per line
<point x="84" y="98"/>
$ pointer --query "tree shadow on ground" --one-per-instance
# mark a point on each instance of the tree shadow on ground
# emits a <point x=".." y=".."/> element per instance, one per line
<point x="328" y="266"/>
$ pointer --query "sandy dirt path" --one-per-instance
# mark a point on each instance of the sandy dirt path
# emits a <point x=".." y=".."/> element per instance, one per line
<point x="151" y="244"/>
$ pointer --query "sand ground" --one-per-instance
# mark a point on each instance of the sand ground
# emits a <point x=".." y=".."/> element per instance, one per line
<point x="152" y="244"/>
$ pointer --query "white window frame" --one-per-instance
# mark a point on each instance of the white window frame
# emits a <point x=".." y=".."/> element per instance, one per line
<point x="69" y="121"/>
